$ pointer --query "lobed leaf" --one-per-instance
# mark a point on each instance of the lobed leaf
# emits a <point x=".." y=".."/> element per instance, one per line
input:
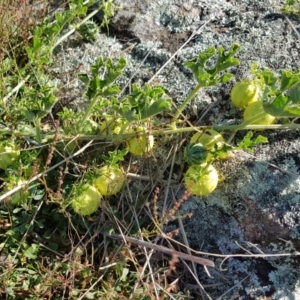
<point x="248" y="143"/>
<point x="211" y="76"/>
<point x="143" y="103"/>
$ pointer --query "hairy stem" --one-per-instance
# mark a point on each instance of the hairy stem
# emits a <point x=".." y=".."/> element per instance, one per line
<point x="89" y="110"/>
<point x="188" y="99"/>
<point x="37" y="124"/>
<point x="121" y="137"/>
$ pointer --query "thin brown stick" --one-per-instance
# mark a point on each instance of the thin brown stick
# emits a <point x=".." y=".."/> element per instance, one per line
<point x="226" y="256"/>
<point x="198" y="260"/>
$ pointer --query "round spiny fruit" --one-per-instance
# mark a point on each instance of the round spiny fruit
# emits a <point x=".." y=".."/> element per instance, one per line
<point x="86" y="201"/>
<point x="140" y="144"/>
<point x="195" y="154"/>
<point x="210" y="139"/>
<point x="200" y="180"/>
<point x="245" y="92"/>
<point x="110" y="180"/>
<point x="256" y="109"/>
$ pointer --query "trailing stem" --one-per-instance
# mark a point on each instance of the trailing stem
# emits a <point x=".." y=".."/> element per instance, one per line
<point x="188" y="99"/>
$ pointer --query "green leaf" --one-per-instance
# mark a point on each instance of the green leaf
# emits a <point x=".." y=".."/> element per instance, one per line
<point x="206" y="76"/>
<point x="32" y="251"/>
<point x="292" y="110"/>
<point x="248" y="143"/>
<point x="281" y="95"/>
<point x="269" y="77"/>
<point x="84" y="78"/>
<point x="53" y="246"/>
<point x="125" y="272"/>
<point x="96" y="86"/>
<point x="114" y="157"/>
<point x="206" y="55"/>
<point x="280" y="101"/>
<point x="223" y="151"/>
<point x="294" y="95"/>
<point x="111" y="90"/>
<point x="143" y="103"/>
<point x="225" y="78"/>
<point x="293" y="106"/>
<point x="288" y="79"/>
<point x="40" y="101"/>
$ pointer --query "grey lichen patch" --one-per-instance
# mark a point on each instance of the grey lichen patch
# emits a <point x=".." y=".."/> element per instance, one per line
<point x="212" y="230"/>
<point x="287" y="283"/>
<point x="272" y="193"/>
<point x="204" y="228"/>
<point x="285" y="276"/>
<point x="180" y="16"/>
<point x="291" y="219"/>
<point x="218" y="199"/>
<point x="152" y="50"/>
<point x="76" y="57"/>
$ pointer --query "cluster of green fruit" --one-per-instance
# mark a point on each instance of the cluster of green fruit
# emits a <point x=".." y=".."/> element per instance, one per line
<point x="202" y="178"/>
<point x="107" y="181"/>
<point x="110" y="179"/>
<point x="247" y="94"/>
<point x="139" y="144"/>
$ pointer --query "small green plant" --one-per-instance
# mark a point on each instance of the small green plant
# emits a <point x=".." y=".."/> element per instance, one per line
<point x="89" y="31"/>
<point x="9" y="152"/>
<point x="292" y="7"/>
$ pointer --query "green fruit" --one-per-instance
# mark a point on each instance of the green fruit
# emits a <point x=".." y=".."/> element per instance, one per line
<point x="256" y="109"/>
<point x="195" y="154"/>
<point x="86" y="201"/>
<point x="110" y="180"/>
<point x="8" y="154"/>
<point x="245" y="92"/>
<point x="209" y="138"/>
<point x="140" y="144"/>
<point x="200" y="180"/>
<point x="110" y="125"/>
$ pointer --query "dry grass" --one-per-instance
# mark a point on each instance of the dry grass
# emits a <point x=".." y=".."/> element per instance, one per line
<point x="17" y="17"/>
